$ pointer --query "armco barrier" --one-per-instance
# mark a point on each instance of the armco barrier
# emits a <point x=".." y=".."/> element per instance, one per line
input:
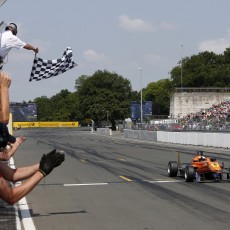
<point x="220" y="140"/>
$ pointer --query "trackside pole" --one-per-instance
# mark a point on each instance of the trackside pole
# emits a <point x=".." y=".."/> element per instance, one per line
<point x="92" y="126"/>
<point x="178" y="158"/>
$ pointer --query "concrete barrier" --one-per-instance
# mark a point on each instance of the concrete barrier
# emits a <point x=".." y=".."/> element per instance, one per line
<point x="140" y="134"/>
<point x="104" y="131"/>
<point x="220" y="140"/>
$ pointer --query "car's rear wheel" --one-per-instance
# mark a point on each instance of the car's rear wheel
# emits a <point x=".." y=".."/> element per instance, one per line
<point x="189" y="174"/>
<point x="172" y="168"/>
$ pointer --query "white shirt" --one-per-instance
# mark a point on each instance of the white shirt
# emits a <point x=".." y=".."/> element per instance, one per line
<point x="9" y="41"/>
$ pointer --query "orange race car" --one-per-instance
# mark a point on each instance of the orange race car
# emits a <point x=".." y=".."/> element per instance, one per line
<point x="201" y="168"/>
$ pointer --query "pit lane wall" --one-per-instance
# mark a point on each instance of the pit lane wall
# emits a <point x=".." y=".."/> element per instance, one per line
<point x="220" y="140"/>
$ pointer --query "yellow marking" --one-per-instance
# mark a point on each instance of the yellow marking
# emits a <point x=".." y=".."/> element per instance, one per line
<point x="83" y="161"/>
<point x="178" y="157"/>
<point x="125" y="178"/>
<point x="103" y="161"/>
<point x="121" y="159"/>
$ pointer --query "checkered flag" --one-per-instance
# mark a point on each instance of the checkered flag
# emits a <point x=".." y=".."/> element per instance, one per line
<point x="43" y="69"/>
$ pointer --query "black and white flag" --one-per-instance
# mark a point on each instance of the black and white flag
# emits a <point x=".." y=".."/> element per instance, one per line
<point x="43" y="69"/>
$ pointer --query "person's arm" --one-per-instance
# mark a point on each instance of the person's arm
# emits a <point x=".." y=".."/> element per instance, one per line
<point x="13" y="195"/>
<point x="30" y="47"/>
<point x="47" y="163"/>
<point x="5" y="82"/>
<point x="18" y="174"/>
<point x="8" y="153"/>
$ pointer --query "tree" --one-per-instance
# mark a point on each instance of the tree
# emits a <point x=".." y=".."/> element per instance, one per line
<point x="135" y="96"/>
<point x="159" y="93"/>
<point x="64" y="106"/>
<point x="206" y="69"/>
<point x="79" y="81"/>
<point x="72" y="105"/>
<point x="43" y="108"/>
<point x="104" y="94"/>
<point x="59" y="106"/>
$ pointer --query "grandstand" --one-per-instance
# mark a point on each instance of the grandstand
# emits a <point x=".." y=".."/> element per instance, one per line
<point x="22" y="112"/>
<point x="192" y="100"/>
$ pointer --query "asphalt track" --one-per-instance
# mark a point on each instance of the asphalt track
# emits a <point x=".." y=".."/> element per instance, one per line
<point x="111" y="183"/>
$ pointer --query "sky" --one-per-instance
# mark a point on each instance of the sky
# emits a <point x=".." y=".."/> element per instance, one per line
<point x="141" y="40"/>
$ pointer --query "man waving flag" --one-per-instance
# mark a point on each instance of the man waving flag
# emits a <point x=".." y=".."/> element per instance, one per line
<point x="43" y="69"/>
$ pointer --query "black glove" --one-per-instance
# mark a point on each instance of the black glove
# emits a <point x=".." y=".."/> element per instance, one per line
<point x="50" y="160"/>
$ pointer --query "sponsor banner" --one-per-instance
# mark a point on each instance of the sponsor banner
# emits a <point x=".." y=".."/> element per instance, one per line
<point x="48" y="124"/>
<point x="68" y="124"/>
<point x="19" y="125"/>
<point x="25" y="124"/>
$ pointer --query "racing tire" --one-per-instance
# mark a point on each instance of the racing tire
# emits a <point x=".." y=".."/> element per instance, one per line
<point x="189" y="174"/>
<point x="172" y="168"/>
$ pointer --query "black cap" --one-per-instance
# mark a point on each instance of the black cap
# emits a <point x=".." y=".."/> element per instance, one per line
<point x="5" y="137"/>
<point x="14" y="28"/>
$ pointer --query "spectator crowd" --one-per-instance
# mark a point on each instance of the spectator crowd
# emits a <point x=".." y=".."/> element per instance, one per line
<point x="215" y="118"/>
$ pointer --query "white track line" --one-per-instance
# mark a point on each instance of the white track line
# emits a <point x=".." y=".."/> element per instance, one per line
<point x="163" y="181"/>
<point x="89" y="184"/>
<point x="96" y="184"/>
<point x="23" y="208"/>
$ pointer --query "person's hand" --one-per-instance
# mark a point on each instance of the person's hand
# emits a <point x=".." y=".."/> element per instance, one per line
<point x="5" y="80"/>
<point x="51" y="160"/>
<point x="20" y="139"/>
<point x="36" y="50"/>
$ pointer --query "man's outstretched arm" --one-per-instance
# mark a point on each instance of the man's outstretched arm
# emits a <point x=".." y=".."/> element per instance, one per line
<point x="30" y="47"/>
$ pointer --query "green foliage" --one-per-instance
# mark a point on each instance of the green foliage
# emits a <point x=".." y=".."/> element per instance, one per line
<point x="44" y="109"/>
<point x="135" y="96"/>
<point x="79" y="81"/>
<point x="63" y="106"/>
<point x="159" y="92"/>
<point x="206" y="69"/>
<point x="58" y="104"/>
<point x="100" y="96"/>
<point x="104" y="93"/>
